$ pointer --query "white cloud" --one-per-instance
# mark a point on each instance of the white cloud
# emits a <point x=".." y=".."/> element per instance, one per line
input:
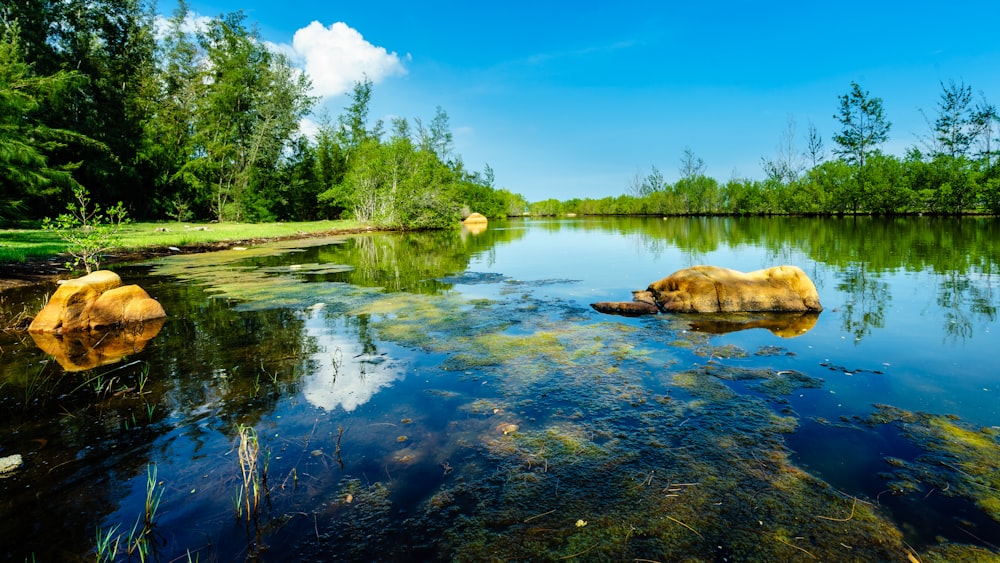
<point x="309" y="127"/>
<point x="193" y="23"/>
<point x="336" y="57"/>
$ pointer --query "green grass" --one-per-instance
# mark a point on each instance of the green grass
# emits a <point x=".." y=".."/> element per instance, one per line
<point x="20" y="245"/>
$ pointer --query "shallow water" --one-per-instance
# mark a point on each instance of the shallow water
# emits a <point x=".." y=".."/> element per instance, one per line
<point x="449" y="396"/>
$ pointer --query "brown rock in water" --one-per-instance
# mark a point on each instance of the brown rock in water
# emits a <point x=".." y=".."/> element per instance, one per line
<point x="122" y="305"/>
<point x="626" y="308"/>
<point x="711" y="289"/>
<point x="475" y="218"/>
<point x="95" y="300"/>
<point x="69" y="306"/>
<point x="475" y="223"/>
<point x="95" y="320"/>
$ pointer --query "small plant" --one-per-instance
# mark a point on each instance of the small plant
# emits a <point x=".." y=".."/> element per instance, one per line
<point x="138" y="543"/>
<point x="139" y="536"/>
<point x="88" y="230"/>
<point x="143" y="378"/>
<point x="106" y="547"/>
<point x="254" y="477"/>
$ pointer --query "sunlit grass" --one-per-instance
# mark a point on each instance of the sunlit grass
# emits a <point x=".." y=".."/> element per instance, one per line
<point x="19" y="245"/>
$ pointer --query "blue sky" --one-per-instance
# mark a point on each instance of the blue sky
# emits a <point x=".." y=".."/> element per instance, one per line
<point x="571" y="99"/>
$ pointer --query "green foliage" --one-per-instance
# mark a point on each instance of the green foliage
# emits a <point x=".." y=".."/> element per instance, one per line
<point x="248" y="108"/>
<point x="954" y="129"/>
<point x="27" y="145"/>
<point x="861" y="181"/>
<point x="203" y="123"/>
<point x="88" y="230"/>
<point x="864" y="125"/>
<point x="108" y="44"/>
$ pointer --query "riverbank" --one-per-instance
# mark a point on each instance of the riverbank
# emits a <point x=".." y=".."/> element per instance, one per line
<point x="43" y="269"/>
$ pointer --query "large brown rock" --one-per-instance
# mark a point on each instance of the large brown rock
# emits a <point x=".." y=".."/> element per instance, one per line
<point x="124" y="305"/>
<point x="711" y="289"/>
<point x="95" y="301"/>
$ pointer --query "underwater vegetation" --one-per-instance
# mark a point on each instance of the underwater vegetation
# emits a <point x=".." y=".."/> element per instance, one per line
<point x="568" y="436"/>
<point x="581" y="442"/>
<point x="959" y="460"/>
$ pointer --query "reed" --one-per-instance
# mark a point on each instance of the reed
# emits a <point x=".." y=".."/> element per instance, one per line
<point x="252" y="472"/>
<point x="139" y="539"/>
<point x="138" y="543"/>
<point x="106" y="546"/>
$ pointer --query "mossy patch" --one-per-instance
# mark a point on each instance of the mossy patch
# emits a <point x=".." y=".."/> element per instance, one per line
<point x="560" y="420"/>
<point x="961" y="460"/>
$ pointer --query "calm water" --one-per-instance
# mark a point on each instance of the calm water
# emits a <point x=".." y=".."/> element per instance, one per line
<point x="450" y="396"/>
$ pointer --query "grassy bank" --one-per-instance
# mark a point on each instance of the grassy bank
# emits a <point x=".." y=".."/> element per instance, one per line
<point x="21" y="245"/>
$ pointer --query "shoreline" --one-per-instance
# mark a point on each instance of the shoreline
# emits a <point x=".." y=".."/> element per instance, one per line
<point x="49" y="270"/>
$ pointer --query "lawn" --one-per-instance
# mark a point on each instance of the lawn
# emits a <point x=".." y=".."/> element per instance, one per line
<point x="20" y="245"/>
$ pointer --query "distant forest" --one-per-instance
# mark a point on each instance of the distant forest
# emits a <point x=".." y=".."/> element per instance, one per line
<point x="953" y="170"/>
<point x="203" y="124"/>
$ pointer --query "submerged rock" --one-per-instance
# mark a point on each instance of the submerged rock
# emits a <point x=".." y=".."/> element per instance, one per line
<point x="9" y="464"/>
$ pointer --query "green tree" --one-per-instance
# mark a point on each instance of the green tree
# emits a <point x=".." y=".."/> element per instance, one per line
<point x="864" y="125"/>
<point x="249" y="104"/>
<point x="984" y="121"/>
<point x="437" y="137"/>
<point x="110" y="44"/>
<point x="699" y="193"/>
<point x="89" y="230"/>
<point x="741" y="196"/>
<point x="953" y="127"/>
<point x="831" y="187"/>
<point x="168" y="140"/>
<point x="887" y="190"/>
<point x="27" y="172"/>
<point x="354" y="123"/>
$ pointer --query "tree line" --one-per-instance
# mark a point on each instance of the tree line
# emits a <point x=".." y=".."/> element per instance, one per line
<point x="955" y="169"/>
<point x="203" y="124"/>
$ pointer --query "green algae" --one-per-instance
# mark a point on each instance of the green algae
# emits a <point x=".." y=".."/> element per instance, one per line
<point x="960" y="460"/>
<point x="585" y="422"/>
<point x="671" y="479"/>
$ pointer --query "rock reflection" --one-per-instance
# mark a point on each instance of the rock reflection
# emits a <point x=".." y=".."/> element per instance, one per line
<point x="785" y="325"/>
<point x="83" y="350"/>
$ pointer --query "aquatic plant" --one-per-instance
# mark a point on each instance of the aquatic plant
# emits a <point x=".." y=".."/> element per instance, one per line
<point x="138" y="542"/>
<point x="253" y="474"/>
<point x="960" y="461"/>
<point x="106" y="544"/>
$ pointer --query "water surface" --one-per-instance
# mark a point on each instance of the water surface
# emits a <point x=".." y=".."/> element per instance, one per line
<point x="450" y="396"/>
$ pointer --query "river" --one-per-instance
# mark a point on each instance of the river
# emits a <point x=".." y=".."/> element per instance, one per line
<point x="451" y="395"/>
